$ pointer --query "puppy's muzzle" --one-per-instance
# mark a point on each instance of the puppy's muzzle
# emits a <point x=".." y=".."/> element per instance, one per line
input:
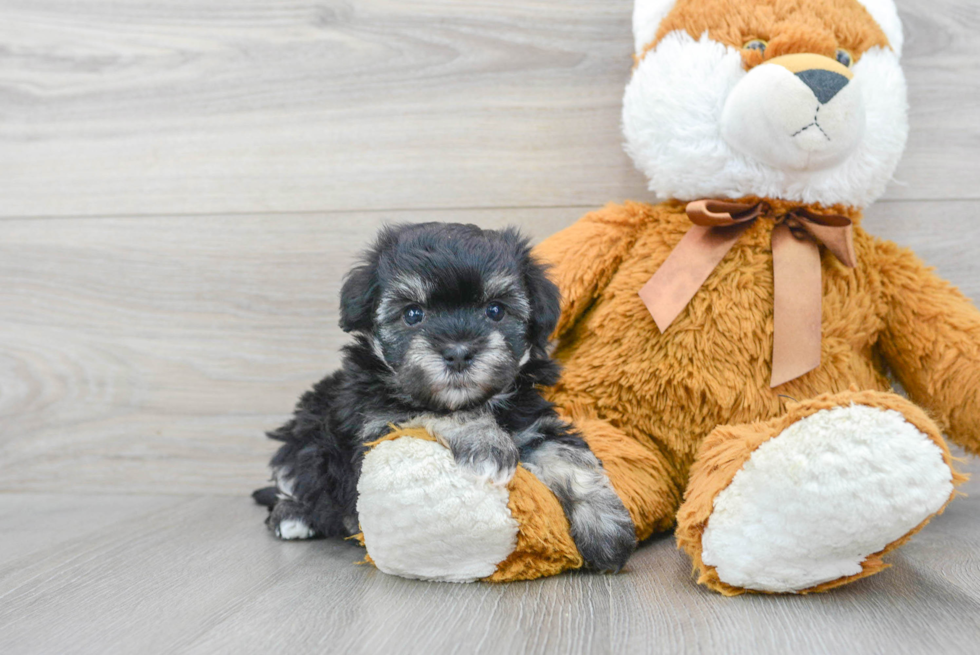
<point x="458" y="356"/>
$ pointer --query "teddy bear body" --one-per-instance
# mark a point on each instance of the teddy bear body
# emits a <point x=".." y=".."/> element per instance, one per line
<point x="669" y="390"/>
<point x="775" y="483"/>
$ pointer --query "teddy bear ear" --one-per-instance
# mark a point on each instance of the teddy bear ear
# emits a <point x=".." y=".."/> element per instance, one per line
<point x="886" y="15"/>
<point x="647" y="15"/>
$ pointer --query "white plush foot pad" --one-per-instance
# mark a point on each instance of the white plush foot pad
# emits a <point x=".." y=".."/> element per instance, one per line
<point x="424" y="518"/>
<point x="813" y="502"/>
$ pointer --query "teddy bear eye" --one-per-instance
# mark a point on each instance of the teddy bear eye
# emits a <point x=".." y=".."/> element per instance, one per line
<point x="756" y="44"/>
<point x="413" y="315"/>
<point x="844" y="57"/>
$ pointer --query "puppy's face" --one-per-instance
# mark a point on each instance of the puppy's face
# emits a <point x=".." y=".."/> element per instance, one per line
<point x="453" y="338"/>
<point x="452" y="311"/>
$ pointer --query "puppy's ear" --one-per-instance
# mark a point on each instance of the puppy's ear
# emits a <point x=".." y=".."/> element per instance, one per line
<point x="362" y="286"/>
<point x="545" y="305"/>
<point x="357" y="299"/>
<point x="543" y="295"/>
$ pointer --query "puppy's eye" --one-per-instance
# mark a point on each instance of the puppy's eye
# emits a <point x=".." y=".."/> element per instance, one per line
<point x="756" y="44"/>
<point x="844" y="57"/>
<point x="413" y="315"/>
<point x="495" y="311"/>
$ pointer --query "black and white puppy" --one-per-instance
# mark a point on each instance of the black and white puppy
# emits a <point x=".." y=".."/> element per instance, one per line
<point x="451" y="326"/>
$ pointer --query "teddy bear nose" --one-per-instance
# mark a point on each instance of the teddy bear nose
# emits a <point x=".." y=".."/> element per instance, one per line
<point x="824" y="84"/>
<point x="458" y="356"/>
<point x="824" y="76"/>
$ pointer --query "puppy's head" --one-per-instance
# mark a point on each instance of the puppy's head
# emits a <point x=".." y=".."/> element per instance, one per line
<point x="453" y="311"/>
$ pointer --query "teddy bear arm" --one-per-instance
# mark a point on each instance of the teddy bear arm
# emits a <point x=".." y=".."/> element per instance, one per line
<point x="932" y="342"/>
<point x="583" y="257"/>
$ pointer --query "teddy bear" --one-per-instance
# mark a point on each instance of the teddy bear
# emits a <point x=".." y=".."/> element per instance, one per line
<point x="727" y="352"/>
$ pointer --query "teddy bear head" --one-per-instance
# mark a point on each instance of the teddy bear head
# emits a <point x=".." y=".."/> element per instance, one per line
<point x="802" y="100"/>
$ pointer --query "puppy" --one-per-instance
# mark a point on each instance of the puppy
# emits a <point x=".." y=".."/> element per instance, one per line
<point x="450" y="326"/>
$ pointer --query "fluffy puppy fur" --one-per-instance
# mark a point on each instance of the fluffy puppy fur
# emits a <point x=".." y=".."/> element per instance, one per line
<point x="451" y="326"/>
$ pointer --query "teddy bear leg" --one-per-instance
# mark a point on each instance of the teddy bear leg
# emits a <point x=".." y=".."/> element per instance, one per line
<point x="812" y="499"/>
<point x="641" y="476"/>
<point x="423" y="517"/>
<point x="644" y="479"/>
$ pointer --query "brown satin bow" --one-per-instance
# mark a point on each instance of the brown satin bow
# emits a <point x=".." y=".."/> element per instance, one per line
<point x="797" y="281"/>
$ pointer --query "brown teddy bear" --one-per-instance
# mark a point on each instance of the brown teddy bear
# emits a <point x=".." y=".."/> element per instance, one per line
<point x="726" y="352"/>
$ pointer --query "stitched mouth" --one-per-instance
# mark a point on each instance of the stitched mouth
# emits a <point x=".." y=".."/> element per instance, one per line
<point x="815" y="124"/>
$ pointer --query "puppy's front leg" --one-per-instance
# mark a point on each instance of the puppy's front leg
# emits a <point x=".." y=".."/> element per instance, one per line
<point x="601" y="526"/>
<point x="477" y="443"/>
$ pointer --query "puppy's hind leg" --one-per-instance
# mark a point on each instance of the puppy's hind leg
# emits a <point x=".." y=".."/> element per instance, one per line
<point x="600" y="524"/>
<point x="289" y="517"/>
<point x="308" y="500"/>
<point x="289" y="520"/>
<point x="266" y="497"/>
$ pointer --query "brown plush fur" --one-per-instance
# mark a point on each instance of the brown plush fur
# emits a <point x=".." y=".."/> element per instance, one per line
<point x="667" y="392"/>
<point x="544" y="544"/>
<point x="711" y="367"/>
<point x="811" y="26"/>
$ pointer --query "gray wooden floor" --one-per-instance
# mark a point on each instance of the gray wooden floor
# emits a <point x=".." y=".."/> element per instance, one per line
<point x="182" y="184"/>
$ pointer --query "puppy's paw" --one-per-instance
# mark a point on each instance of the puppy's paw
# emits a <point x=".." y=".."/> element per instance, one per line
<point x="495" y="463"/>
<point x="479" y="446"/>
<point x="603" y="532"/>
<point x="287" y="521"/>
<point x="289" y="529"/>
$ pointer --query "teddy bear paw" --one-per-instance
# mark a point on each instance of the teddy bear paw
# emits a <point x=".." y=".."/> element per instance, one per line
<point x="814" y="502"/>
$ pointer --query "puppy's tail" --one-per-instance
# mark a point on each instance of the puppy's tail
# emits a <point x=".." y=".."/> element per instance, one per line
<point x="266" y="496"/>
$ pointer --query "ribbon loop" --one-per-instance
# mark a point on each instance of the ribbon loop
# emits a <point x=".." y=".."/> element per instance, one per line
<point x="719" y="213"/>
<point x="796" y="241"/>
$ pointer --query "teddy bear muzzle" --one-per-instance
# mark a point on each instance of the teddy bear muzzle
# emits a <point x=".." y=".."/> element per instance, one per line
<point x="801" y="112"/>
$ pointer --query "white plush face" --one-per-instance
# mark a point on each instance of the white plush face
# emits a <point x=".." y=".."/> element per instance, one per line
<point x="814" y="121"/>
<point x="701" y="120"/>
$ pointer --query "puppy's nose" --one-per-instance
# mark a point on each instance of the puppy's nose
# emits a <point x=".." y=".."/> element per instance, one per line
<point x="458" y="356"/>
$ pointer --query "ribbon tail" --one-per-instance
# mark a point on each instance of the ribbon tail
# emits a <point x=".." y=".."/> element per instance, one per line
<point x="839" y="240"/>
<point x="671" y="288"/>
<point x="797" y="312"/>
